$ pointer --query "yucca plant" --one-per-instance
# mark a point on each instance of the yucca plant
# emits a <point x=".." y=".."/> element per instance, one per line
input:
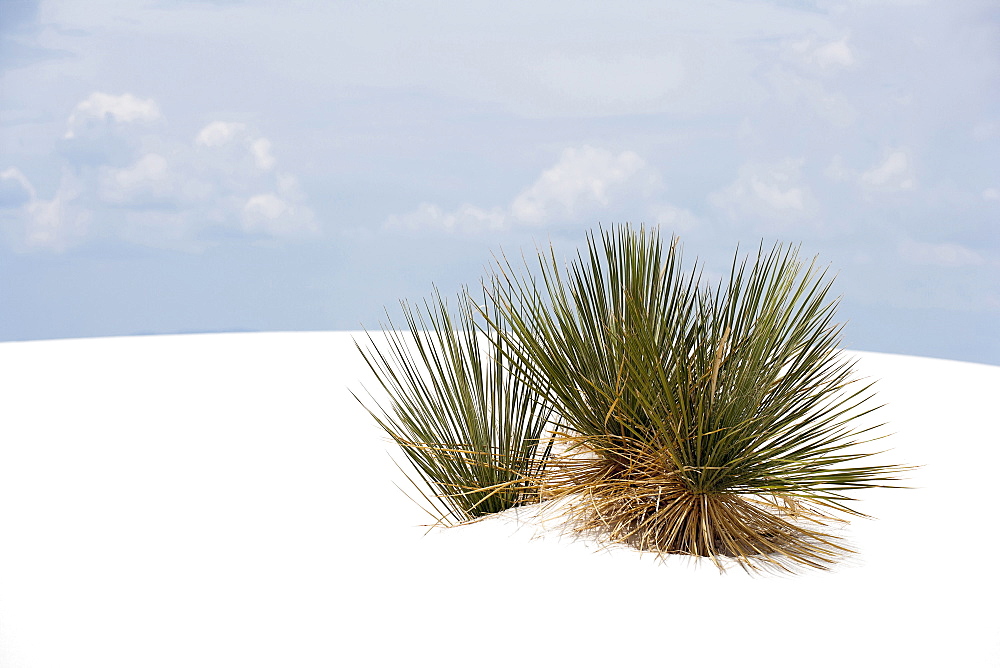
<point x="688" y="419"/>
<point x="708" y="422"/>
<point x="471" y="429"/>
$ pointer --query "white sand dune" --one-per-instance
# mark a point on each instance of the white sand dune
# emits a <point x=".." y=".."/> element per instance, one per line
<point x="222" y="500"/>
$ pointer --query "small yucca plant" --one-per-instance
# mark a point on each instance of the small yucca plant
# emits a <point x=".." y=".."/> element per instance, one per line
<point x="470" y="428"/>
<point x="709" y="422"/>
<point x="714" y="422"/>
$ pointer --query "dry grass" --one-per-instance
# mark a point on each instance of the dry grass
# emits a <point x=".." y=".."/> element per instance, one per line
<point x="642" y="501"/>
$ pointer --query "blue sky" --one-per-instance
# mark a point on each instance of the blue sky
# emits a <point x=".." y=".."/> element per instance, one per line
<point x="179" y="166"/>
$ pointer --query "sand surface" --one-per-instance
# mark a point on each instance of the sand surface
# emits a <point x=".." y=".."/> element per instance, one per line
<point x="222" y="500"/>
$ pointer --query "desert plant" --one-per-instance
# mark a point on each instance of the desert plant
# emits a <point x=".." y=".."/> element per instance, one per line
<point x="471" y="429"/>
<point x="712" y="421"/>
<point x="709" y="422"/>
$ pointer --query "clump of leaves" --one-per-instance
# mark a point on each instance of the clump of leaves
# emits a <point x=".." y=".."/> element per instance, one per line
<point x="471" y="429"/>
<point x="708" y="421"/>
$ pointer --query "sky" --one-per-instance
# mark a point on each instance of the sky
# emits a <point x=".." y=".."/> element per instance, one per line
<point x="171" y="166"/>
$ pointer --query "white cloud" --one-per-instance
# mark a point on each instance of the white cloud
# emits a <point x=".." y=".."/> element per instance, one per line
<point x="153" y="189"/>
<point x="119" y="108"/>
<point x="592" y="60"/>
<point x="834" y="54"/>
<point x="767" y="192"/>
<point x="991" y="194"/>
<point x="465" y="218"/>
<point x="797" y="93"/>
<point x="267" y="206"/>
<point x="804" y="79"/>
<point x="288" y="186"/>
<point x="838" y="171"/>
<point x="45" y="224"/>
<point x="53" y="224"/>
<point x="583" y="179"/>
<point x="940" y="255"/>
<point x="261" y="150"/>
<point x="674" y="219"/>
<point x="267" y="213"/>
<point x="830" y="56"/>
<point x="15" y="189"/>
<point x="583" y="182"/>
<point x="147" y="177"/>
<point x="281" y="212"/>
<point x="777" y="196"/>
<point x="218" y="133"/>
<point x="894" y="173"/>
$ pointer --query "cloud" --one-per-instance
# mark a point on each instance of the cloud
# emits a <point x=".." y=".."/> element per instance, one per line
<point x="148" y="177"/>
<point x="15" y="189"/>
<point x="279" y="214"/>
<point x="465" y="218"/>
<point x="770" y="193"/>
<point x="830" y="55"/>
<point x="991" y="194"/>
<point x="261" y="150"/>
<point x="144" y="186"/>
<point x="584" y="178"/>
<point x="674" y="219"/>
<point x="834" y="54"/>
<point x="107" y="130"/>
<point x="838" y="171"/>
<point x="795" y="92"/>
<point x="218" y="133"/>
<point x="34" y="223"/>
<point x="893" y="173"/>
<point x="584" y="181"/>
<point x="807" y="76"/>
<point x="102" y="107"/>
<point x="939" y="255"/>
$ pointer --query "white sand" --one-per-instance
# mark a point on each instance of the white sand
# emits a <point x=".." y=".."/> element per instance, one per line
<point x="221" y="500"/>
